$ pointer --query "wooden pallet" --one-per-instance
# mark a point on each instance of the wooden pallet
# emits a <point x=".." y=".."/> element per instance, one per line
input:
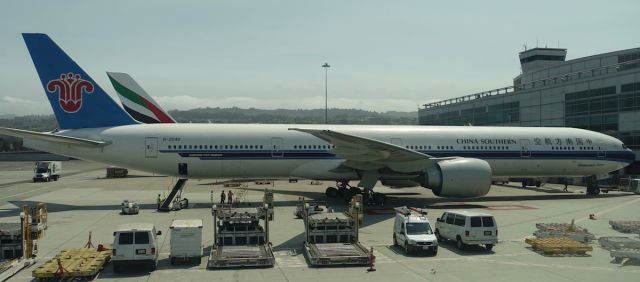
<point x="558" y="245"/>
<point x="73" y="263"/>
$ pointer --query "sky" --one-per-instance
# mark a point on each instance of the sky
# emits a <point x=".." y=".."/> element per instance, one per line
<point x="384" y="55"/>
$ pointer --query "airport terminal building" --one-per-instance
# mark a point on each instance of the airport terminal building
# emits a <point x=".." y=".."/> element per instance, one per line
<point x="599" y="93"/>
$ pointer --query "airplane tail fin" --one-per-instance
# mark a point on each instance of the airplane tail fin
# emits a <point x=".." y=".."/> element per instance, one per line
<point x="77" y="100"/>
<point x="136" y="101"/>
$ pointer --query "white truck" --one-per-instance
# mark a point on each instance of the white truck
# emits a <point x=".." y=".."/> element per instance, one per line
<point x="47" y="171"/>
<point x="186" y="240"/>
<point x="413" y="232"/>
<point x="135" y="244"/>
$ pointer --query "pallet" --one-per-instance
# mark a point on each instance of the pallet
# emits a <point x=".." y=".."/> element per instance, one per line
<point x="563" y="230"/>
<point x="77" y="263"/>
<point x="558" y="246"/>
<point x="625" y="226"/>
<point x="621" y="254"/>
<point x="614" y="243"/>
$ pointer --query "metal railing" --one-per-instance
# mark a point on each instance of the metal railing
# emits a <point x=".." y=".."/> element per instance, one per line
<point x="602" y="70"/>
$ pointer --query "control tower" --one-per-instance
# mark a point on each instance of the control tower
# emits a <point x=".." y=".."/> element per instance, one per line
<point x="537" y="58"/>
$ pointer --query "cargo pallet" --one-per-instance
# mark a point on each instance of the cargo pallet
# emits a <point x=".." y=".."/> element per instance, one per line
<point x="625" y="253"/>
<point x="563" y="230"/>
<point x="331" y="238"/>
<point x="625" y="226"/>
<point x="78" y="263"/>
<point x="558" y="246"/>
<point x="614" y="243"/>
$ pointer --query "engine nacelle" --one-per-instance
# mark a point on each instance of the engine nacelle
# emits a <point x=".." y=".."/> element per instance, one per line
<point x="459" y="178"/>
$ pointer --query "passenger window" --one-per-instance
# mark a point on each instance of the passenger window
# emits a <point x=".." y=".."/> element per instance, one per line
<point x="476" y="222"/>
<point x="142" y="237"/>
<point x="126" y="238"/>
<point x="450" y="218"/>
<point x="460" y="220"/>
<point x="487" y="221"/>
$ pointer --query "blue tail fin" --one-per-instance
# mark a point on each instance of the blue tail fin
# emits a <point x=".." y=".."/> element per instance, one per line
<point x="76" y="99"/>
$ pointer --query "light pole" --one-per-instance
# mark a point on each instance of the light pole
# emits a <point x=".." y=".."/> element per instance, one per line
<point x="326" y="67"/>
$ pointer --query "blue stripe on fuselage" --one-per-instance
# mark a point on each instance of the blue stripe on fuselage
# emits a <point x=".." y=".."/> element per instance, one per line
<point x="621" y="156"/>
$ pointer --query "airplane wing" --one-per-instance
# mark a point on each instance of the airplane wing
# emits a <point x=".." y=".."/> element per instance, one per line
<point x="367" y="154"/>
<point x="49" y="137"/>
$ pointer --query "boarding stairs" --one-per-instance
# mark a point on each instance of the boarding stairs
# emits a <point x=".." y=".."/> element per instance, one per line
<point x="177" y="188"/>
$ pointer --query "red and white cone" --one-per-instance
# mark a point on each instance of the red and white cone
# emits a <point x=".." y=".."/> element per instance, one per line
<point x="372" y="261"/>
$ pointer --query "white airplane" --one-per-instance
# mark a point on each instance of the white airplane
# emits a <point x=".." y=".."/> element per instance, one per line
<point x="452" y="161"/>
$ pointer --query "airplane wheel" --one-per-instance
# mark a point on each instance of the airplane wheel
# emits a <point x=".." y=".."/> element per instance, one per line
<point x="331" y="192"/>
<point x="524" y="184"/>
<point x="489" y="247"/>
<point x="538" y="184"/>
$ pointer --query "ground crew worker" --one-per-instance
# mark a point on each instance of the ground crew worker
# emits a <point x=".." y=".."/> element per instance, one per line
<point x="222" y="197"/>
<point x="230" y="197"/>
<point x="159" y="201"/>
<point x="566" y="185"/>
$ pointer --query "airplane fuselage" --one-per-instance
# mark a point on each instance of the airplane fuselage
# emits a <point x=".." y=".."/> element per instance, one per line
<point x="273" y="151"/>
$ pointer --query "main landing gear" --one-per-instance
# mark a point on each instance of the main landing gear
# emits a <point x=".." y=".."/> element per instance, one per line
<point x="346" y="192"/>
<point x="593" y="189"/>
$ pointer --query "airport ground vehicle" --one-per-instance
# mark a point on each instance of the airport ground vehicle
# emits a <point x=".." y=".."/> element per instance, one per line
<point x="331" y="238"/>
<point x="47" y="171"/>
<point x="239" y="238"/>
<point x="135" y="244"/>
<point x="412" y="231"/>
<point x="186" y="240"/>
<point x="129" y="207"/>
<point x="467" y="228"/>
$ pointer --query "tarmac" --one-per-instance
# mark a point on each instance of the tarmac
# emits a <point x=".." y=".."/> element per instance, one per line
<point x="84" y="201"/>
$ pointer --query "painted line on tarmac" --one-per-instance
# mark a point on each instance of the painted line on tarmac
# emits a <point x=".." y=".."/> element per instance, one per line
<point x="597" y="214"/>
<point x="42" y="188"/>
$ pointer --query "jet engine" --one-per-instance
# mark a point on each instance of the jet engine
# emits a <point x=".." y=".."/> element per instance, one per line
<point x="458" y="178"/>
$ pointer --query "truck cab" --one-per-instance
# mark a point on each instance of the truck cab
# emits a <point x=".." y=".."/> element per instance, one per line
<point x="413" y="232"/>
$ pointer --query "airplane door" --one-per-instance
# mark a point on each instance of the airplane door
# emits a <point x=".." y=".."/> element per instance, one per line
<point x="601" y="152"/>
<point x="525" y="148"/>
<point x="277" y="144"/>
<point x="151" y="147"/>
<point x="397" y="141"/>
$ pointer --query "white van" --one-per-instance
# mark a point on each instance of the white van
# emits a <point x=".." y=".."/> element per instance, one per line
<point x="467" y="228"/>
<point x="135" y="243"/>
<point x="412" y="231"/>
